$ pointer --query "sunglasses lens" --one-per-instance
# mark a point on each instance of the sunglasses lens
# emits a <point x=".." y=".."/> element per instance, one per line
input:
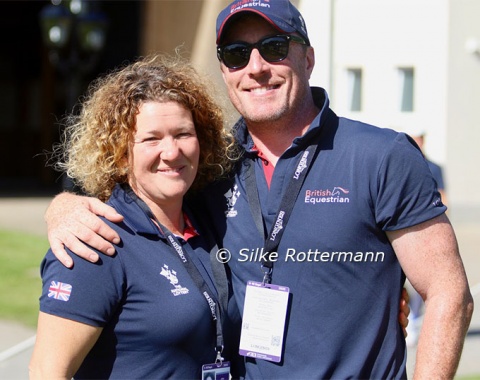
<point x="274" y="49"/>
<point x="236" y="55"/>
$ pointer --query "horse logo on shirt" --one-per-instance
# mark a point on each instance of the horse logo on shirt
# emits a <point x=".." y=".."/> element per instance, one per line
<point x="171" y="276"/>
<point x="336" y="191"/>
<point x="231" y="197"/>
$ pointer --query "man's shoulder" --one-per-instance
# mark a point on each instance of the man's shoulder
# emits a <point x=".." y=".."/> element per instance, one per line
<point x="361" y="127"/>
<point x="357" y="134"/>
<point x="433" y="166"/>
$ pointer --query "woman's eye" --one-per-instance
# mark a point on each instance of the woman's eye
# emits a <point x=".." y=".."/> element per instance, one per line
<point x="151" y="141"/>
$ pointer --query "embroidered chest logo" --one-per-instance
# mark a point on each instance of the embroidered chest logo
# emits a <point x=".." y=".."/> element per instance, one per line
<point x="171" y="276"/>
<point x="337" y="195"/>
<point x="231" y="197"/>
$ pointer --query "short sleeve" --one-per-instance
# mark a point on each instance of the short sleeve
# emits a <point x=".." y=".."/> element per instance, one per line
<point x="88" y="293"/>
<point x="406" y="190"/>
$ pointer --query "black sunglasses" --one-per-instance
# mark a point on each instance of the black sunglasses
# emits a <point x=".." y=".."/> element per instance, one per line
<point x="272" y="49"/>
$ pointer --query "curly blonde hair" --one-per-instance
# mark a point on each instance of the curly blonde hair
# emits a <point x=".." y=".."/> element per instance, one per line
<point x="97" y="141"/>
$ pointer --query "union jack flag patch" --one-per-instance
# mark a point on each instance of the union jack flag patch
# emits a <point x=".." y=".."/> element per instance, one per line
<point x="59" y="291"/>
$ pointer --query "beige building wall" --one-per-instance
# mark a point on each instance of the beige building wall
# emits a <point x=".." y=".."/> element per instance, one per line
<point x="169" y="24"/>
<point x="378" y="37"/>
<point x="463" y="117"/>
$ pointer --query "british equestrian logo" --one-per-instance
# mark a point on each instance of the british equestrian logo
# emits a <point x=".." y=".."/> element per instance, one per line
<point x="231" y="197"/>
<point x="171" y="276"/>
<point x="337" y="195"/>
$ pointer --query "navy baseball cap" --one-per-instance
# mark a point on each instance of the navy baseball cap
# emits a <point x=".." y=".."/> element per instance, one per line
<point x="280" y="13"/>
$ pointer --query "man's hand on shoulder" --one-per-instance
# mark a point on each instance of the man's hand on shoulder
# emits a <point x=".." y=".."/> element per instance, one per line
<point x="73" y="222"/>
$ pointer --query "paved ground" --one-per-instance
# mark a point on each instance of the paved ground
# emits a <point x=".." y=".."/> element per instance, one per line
<point x="26" y="214"/>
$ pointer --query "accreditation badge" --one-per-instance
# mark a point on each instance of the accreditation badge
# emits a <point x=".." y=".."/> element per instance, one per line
<point x="263" y="321"/>
<point x="216" y="371"/>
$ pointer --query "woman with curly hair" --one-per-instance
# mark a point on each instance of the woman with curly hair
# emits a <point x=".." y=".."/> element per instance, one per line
<point x="147" y="134"/>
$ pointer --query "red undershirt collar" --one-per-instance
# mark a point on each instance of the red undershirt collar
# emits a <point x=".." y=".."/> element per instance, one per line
<point x="189" y="230"/>
<point x="268" y="168"/>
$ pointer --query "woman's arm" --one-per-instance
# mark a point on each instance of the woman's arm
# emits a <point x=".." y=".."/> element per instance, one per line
<point x="61" y="346"/>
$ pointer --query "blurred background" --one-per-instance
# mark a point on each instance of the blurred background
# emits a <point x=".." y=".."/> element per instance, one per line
<point x="410" y="65"/>
<point x="407" y="65"/>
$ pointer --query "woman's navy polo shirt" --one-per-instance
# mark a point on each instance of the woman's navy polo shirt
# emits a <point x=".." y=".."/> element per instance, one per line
<point x="156" y="323"/>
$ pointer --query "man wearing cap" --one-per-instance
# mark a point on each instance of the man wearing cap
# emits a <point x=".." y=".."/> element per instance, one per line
<point x="322" y="219"/>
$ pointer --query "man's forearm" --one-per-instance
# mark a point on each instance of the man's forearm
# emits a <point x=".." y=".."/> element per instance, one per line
<point x="443" y="332"/>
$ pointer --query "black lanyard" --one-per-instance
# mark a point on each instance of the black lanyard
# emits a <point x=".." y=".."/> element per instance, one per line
<point x="219" y="274"/>
<point x="201" y="285"/>
<point x="272" y="240"/>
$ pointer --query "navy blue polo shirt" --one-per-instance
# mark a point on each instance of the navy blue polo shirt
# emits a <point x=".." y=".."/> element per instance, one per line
<point x="156" y="323"/>
<point x="344" y="277"/>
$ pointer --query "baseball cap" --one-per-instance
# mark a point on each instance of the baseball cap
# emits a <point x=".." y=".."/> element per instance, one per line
<point x="282" y="14"/>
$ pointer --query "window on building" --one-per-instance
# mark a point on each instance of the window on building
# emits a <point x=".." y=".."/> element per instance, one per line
<point x="407" y="79"/>
<point x="355" y="89"/>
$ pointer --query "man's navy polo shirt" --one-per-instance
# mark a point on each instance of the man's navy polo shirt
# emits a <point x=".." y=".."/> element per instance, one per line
<point x="344" y="277"/>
